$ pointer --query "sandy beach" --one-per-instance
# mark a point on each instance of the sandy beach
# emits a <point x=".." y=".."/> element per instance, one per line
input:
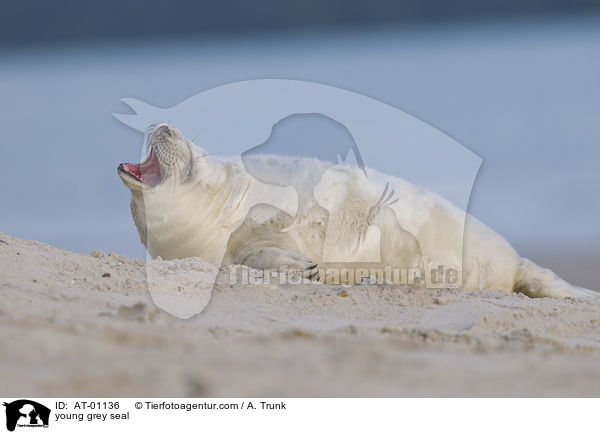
<point x="69" y="331"/>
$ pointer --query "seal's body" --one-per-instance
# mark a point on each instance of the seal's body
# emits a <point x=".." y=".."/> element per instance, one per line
<point x="186" y="203"/>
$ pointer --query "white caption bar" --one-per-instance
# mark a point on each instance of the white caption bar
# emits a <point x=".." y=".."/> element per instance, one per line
<point x="150" y="415"/>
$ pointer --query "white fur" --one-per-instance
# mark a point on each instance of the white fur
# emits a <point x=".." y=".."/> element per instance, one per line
<point x="216" y="211"/>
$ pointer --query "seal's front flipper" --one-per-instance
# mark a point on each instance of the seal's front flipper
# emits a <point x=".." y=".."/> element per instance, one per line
<point x="279" y="259"/>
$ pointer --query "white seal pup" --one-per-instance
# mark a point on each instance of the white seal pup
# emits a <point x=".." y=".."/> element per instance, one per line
<point x="187" y="203"/>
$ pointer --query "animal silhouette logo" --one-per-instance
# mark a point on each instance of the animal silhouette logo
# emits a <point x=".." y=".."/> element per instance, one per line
<point x="252" y="119"/>
<point x="26" y="413"/>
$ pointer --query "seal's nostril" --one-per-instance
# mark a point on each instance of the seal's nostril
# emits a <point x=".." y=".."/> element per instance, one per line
<point x="165" y="129"/>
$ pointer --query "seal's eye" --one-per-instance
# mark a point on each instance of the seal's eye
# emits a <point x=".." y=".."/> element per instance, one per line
<point x="149" y="172"/>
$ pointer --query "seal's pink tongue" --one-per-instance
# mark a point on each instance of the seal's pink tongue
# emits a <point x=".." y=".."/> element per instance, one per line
<point x="148" y="173"/>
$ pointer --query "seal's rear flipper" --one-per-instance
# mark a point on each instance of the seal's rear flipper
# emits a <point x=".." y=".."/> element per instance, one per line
<point x="535" y="281"/>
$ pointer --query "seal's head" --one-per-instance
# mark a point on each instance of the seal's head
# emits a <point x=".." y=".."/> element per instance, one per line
<point x="156" y="181"/>
<point x="174" y="192"/>
<point x="170" y="157"/>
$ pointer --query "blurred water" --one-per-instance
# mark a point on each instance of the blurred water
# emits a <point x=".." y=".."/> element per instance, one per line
<point x="524" y="95"/>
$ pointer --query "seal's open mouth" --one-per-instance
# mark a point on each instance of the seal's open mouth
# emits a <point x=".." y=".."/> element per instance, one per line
<point x="149" y="172"/>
